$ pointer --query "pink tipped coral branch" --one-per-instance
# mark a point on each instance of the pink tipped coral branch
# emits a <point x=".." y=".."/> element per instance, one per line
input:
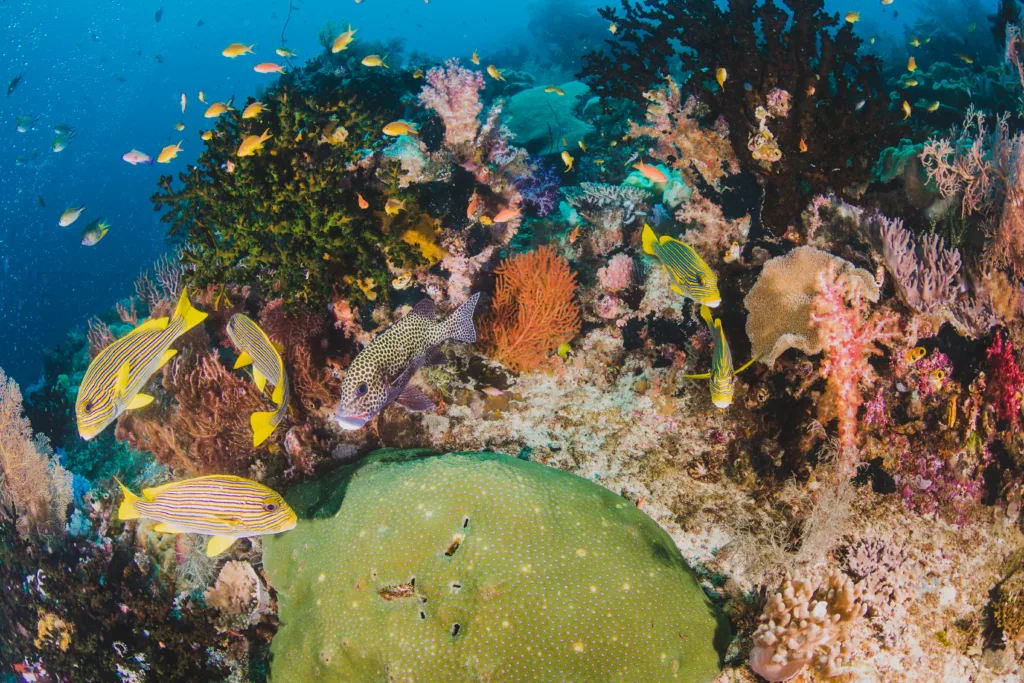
<point x="454" y="93"/>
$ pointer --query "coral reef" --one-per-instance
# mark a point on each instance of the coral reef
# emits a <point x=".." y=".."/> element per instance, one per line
<point x="524" y="569"/>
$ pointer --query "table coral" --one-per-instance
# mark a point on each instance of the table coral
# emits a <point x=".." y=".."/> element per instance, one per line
<point x="467" y="567"/>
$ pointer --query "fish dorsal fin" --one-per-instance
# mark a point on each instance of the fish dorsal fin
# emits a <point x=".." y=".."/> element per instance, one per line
<point x="152" y="324"/>
<point x="424" y="308"/>
<point x="139" y="401"/>
<point x="219" y="544"/>
<point x="649" y="239"/>
<point x="259" y="378"/>
<point x="665" y="239"/>
<point x="243" y="359"/>
<point x="121" y="382"/>
<point x="153" y="491"/>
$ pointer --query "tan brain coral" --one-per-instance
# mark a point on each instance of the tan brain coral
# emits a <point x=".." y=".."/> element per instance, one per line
<point x="779" y="304"/>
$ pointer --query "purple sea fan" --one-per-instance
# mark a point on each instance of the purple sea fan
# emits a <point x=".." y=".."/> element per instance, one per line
<point x="540" y="187"/>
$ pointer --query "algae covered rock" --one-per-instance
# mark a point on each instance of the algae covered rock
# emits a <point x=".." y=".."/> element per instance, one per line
<point x="479" y="567"/>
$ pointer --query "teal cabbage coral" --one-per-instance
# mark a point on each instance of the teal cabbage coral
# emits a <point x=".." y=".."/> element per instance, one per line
<point x="540" y="120"/>
<point x="480" y="567"/>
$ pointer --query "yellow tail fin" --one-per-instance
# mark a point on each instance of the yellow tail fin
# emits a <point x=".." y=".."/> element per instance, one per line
<point x="261" y="427"/>
<point x="705" y="313"/>
<point x="184" y="310"/>
<point x="128" y="509"/>
<point x="649" y="239"/>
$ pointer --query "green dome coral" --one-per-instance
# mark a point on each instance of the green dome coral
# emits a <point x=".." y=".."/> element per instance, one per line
<point x="479" y="567"/>
<point x="286" y="219"/>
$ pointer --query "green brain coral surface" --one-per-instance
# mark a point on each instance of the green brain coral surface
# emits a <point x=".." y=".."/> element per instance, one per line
<point x="425" y="568"/>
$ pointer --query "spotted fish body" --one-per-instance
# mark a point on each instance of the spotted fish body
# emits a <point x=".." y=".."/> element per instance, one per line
<point x="694" y="279"/>
<point x="222" y="506"/>
<point x="116" y="376"/>
<point x="255" y="348"/>
<point x="381" y="372"/>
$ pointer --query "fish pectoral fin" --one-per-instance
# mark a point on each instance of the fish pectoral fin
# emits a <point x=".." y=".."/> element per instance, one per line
<point x="747" y="365"/>
<point x="260" y="379"/>
<point x="414" y="400"/>
<point x="679" y="290"/>
<point x="278" y="395"/>
<point x="122" y="379"/>
<point x="243" y="359"/>
<point x="165" y="528"/>
<point x="168" y="355"/>
<point x="703" y="375"/>
<point x="219" y="544"/>
<point x="277" y="346"/>
<point x="139" y="401"/>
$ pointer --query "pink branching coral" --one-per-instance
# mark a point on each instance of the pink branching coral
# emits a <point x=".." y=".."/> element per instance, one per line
<point x="1007" y="381"/>
<point x="712" y="233"/>
<point x="1015" y="50"/>
<point x="924" y="271"/>
<point x="848" y="335"/>
<point x="618" y="274"/>
<point x="454" y="93"/>
<point x="673" y="126"/>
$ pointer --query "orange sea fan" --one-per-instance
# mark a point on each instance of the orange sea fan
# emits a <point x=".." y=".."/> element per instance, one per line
<point x="533" y="311"/>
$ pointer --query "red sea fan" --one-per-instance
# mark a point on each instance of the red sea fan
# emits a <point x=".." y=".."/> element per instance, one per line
<point x="1007" y="381"/>
<point x="534" y="310"/>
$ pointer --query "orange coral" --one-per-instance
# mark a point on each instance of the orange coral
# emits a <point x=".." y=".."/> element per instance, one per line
<point x="534" y="309"/>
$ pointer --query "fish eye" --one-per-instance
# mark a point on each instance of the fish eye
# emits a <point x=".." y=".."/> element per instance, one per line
<point x="88" y="407"/>
<point x="362" y="389"/>
<point x="270" y="507"/>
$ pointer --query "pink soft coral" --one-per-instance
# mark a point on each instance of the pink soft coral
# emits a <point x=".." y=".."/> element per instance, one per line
<point x="848" y="335"/>
<point x="1007" y="381"/>
<point x="454" y="93"/>
<point x="617" y="275"/>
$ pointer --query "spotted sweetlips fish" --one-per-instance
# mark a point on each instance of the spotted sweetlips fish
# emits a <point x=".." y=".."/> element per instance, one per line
<point x="381" y="372"/>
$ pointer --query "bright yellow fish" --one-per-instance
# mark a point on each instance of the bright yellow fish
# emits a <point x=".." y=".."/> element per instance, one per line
<point x="567" y="160"/>
<point x="721" y="75"/>
<point x="237" y="50"/>
<point x="217" y="108"/>
<point x="475" y="58"/>
<point x="722" y="376"/>
<point x="495" y="73"/>
<point x="221" y="506"/>
<point x="555" y="89"/>
<point x="906" y="110"/>
<point x="694" y="279"/>
<point x="168" y="153"/>
<point x="396" y="128"/>
<point x="393" y="206"/>
<point x="207" y="135"/>
<point x="375" y="60"/>
<point x="284" y="52"/>
<point x="343" y="40"/>
<point x="934" y="106"/>
<point x="852" y="17"/>
<point x="255" y="348"/>
<point x="253" y="143"/>
<point x="911" y="64"/>
<point x="253" y="110"/>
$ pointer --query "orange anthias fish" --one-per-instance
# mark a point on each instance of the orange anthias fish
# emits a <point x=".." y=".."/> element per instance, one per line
<point x="474" y="204"/>
<point x="363" y="204"/>
<point x="505" y="215"/>
<point x="237" y="50"/>
<point x="650" y="172"/>
<point x="252" y="144"/>
<point x="268" y="68"/>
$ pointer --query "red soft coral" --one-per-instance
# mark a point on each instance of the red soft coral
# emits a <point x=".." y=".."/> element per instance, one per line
<point x="1007" y="381"/>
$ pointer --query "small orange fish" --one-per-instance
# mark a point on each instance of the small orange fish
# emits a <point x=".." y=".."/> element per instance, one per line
<point x="912" y="64"/>
<point x="574" y="235"/>
<point x="650" y="172"/>
<point x="268" y="68"/>
<point x="803" y="145"/>
<point x="505" y="215"/>
<point x="363" y="204"/>
<point x="474" y="204"/>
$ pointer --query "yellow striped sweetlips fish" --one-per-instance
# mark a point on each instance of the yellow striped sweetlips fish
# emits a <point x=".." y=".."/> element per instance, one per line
<point x="255" y="348"/>
<point x="722" y="376"/>
<point x="694" y="279"/>
<point x="222" y="506"/>
<point x="381" y="372"/>
<point x="115" y="377"/>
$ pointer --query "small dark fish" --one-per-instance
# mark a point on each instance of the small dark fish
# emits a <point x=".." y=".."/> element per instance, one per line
<point x="42" y="203"/>
<point x="159" y="59"/>
<point x="13" y="85"/>
<point x="159" y="15"/>
<point x="120" y="78"/>
<point x="896" y="14"/>
<point x="200" y="23"/>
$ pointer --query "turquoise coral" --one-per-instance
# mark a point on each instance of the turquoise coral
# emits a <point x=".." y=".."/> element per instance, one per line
<point x="478" y="566"/>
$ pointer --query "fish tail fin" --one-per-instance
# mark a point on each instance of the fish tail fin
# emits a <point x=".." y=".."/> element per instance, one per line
<point x="128" y="509"/>
<point x="266" y="135"/>
<point x="649" y="239"/>
<point x="705" y="313"/>
<point x="459" y="325"/>
<point x="184" y="311"/>
<point x="262" y="427"/>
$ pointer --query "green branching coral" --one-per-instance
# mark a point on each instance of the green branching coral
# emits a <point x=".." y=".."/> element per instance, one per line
<point x="481" y="567"/>
<point x="286" y="220"/>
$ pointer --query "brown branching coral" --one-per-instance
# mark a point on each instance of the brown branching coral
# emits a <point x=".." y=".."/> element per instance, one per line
<point x="680" y="139"/>
<point x="779" y="304"/>
<point x="30" y="478"/>
<point x="534" y="309"/>
<point x="810" y="622"/>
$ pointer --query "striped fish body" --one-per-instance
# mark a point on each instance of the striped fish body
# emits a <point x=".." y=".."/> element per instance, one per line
<point x="114" y="379"/>
<point x="221" y="506"/>
<point x="723" y="376"/>
<point x="381" y="372"/>
<point x="694" y="279"/>
<point x="255" y="348"/>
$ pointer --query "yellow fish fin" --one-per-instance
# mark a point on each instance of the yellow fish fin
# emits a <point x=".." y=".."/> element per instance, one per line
<point x="649" y="239"/>
<point x="261" y="427"/>
<point x="678" y="290"/>
<point x="152" y="324"/>
<point x="277" y="347"/>
<point x="168" y="354"/>
<point x="665" y="239"/>
<point x="184" y="311"/>
<point x="703" y="375"/>
<point x="219" y="544"/>
<point x="128" y="509"/>
<point x="243" y="359"/>
<point x="259" y="378"/>
<point x="705" y="313"/>
<point x="746" y="365"/>
<point x="165" y="528"/>
<point x="122" y="379"/>
<point x="139" y="401"/>
<point x="278" y="395"/>
<point x="151" y="492"/>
